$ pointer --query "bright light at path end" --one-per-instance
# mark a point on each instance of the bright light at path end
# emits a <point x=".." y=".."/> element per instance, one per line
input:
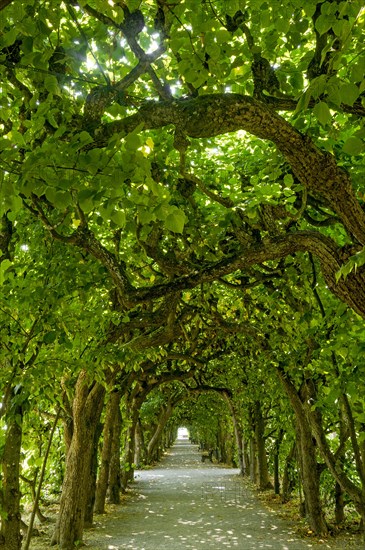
<point x="182" y="433"/>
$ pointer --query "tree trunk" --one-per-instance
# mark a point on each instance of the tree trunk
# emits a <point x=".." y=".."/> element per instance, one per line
<point x="36" y="494"/>
<point x="10" y="536"/>
<point x="128" y="469"/>
<point x="165" y="415"/>
<point x="87" y="407"/>
<point x="264" y="481"/>
<point x="68" y="424"/>
<point x="288" y="476"/>
<point x="237" y="432"/>
<point x="221" y="444"/>
<point x="253" y="460"/>
<point x="252" y="450"/>
<point x="111" y="415"/>
<point x="228" y="443"/>
<point x="339" y="504"/>
<point x="115" y="484"/>
<point x="310" y="480"/>
<point x="91" y="485"/>
<point x="356" y="493"/>
<point x="139" y="445"/>
<point x="127" y="465"/>
<point x="307" y="451"/>
<point x="278" y="441"/>
<point x="246" y="456"/>
<point x="341" y="457"/>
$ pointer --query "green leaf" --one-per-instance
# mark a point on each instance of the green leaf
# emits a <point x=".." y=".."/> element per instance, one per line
<point x="309" y="8"/>
<point x="341" y="28"/>
<point x="4" y="265"/>
<point x="231" y="7"/>
<point x="61" y="130"/>
<point x="358" y="71"/>
<point x="222" y="36"/>
<point x="51" y="119"/>
<point x="86" y="199"/>
<point x="16" y="203"/>
<point x="9" y="37"/>
<point x="355" y="261"/>
<point x="85" y="138"/>
<point x="303" y="101"/>
<point x="119" y="218"/>
<point x="133" y="140"/>
<point x="353" y="146"/>
<point x="145" y="216"/>
<point x="51" y="84"/>
<point x="288" y="180"/>
<point x="283" y="25"/>
<point x="333" y="92"/>
<point x="16" y="137"/>
<point x="349" y="93"/>
<point x="62" y="199"/>
<point x="175" y="221"/>
<point x="322" y="113"/>
<point x="324" y="23"/>
<point x="50" y="337"/>
<point x="360" y="417"/>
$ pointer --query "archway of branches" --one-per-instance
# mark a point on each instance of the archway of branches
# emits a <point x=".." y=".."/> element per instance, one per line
<point x="182" y="232"/>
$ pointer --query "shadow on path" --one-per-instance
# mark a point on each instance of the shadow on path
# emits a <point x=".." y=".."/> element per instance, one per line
<point x="186" y="504"/>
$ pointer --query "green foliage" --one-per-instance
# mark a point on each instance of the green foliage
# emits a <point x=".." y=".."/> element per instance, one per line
<point x="353" y="263"/>
<point x="113" y="190"/>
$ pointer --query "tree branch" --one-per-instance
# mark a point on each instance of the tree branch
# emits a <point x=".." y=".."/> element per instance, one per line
<point x="4" y="3"/>
<point x="217" y="114"/>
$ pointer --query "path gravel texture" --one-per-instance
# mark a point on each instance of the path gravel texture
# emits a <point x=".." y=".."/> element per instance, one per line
<point x="186" y="504"/>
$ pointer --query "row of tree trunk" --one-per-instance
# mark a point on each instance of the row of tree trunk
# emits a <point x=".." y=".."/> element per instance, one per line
<point x="309" y="455"/>
<point x="84" y="492"/>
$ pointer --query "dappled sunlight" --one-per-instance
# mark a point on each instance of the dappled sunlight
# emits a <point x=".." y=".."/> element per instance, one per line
<point x="189" y="505"/>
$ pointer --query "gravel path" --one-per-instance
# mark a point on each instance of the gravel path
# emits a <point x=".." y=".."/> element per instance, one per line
<point x="190" y="505"/>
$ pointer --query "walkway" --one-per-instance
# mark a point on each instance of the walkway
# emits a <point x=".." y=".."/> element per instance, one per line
<point x="185" y="504"/>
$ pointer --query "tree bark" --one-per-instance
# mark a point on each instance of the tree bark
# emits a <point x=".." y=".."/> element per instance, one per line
<point x="355" y="492"/>
<point x="87" y="407"/>
<point x="350" y="290"/>
<point x="263" y="470"/>
<point x="339" y="504"/>
<point x="278" y="441"/>
<point x="4" y="3"/>
<point x="310" y="479"/>
<point x="139" y="452"/>
<point x="134" y="405"/>
<point x="111" y="415"/>
<point x="165" y="415"/>
<point x="237" y="432"/>
<point x="91" y="485"/>
<point x="246" y="456"/>
<point x="288" y="482"/>
<point x="115" y="484"/>
<point x="10" y="536"/>
<point x="127" y="465"/>
<point x="307" y="452"/>
<point x="36" y="495"/>
<point x="221" y="444"/>
<point x="253" y="460"/>
<point x="216" y="114"/>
